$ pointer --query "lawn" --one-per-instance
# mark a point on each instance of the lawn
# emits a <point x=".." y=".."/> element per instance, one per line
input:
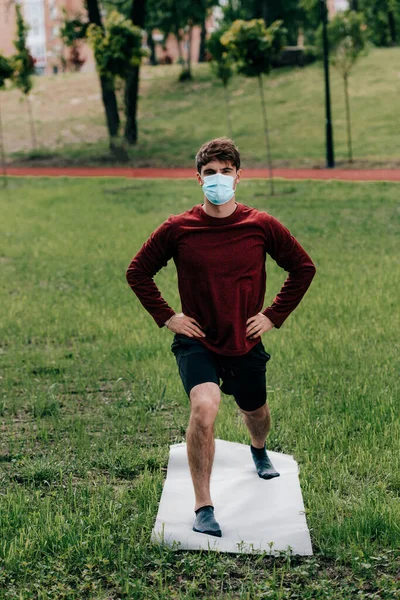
<point x="91" y="397"/>
<point x="176" y="118"/>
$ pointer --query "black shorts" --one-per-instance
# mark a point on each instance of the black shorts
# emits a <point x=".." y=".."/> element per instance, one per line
<point x="243" y="377"/>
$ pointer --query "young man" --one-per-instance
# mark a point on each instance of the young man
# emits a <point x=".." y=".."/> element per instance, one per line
<point x="219" y="249"/>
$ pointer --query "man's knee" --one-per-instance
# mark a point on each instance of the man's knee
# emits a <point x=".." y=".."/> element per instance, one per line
<point x="205" y="399"/>
<point x="258" y="413"/>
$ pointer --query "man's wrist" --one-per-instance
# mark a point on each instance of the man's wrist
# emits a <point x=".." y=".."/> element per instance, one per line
<point x="265" y="313"/>
<point x="167" y="322"/>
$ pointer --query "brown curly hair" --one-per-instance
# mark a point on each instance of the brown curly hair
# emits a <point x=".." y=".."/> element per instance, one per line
<point x="222" y="148"/>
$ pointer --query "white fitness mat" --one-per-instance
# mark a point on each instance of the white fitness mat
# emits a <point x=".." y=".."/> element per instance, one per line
<point x="255" y="515"/>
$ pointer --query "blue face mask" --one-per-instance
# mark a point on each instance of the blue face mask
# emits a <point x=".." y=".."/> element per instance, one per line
<point x="218" y="188"/>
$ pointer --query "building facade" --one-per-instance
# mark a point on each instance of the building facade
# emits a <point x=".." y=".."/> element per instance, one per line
<point x="45" y="17"/>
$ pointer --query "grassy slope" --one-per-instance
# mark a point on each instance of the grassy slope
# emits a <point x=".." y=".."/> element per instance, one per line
<point x="175" y="119"/>
<point x="91" y="396"/>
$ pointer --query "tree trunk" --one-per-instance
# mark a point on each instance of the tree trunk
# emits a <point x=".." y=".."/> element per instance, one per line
<point x="31" y="122"/>
<point x="180" y="54"/>
<point x="202" y="49"/>
<point x="347" y="101"/>
<point x="228" y="111"/>
<point x="392" y="27"/>
<point x="264" y="11"/>
<point x="189" y="50"/>
<point x="266" y="132"/>
<point x="131" y="101"/>
<point x="138" y="14"/>
<point x="152" y="46"/>
<point x="110" y="106"/>
<point x="3" y="154"/>
<point x="106" y="83"/>
<point x="354" y="5"/>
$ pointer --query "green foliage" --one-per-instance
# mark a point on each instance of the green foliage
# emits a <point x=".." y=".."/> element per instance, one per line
<point x="73" y="30"/>
<point x="117" y="49"/>
<point x="378" y="14"/>
<point x="178" y="13"/>
<point x="6" y="69"/>
<point x="233" y="11"/>
<point x="381" y="16"/>
<point x="24" y="65"/>
<point x="292" y="15"/>
<point x="311" y="12"/>
<point x="348" y="39"/>
<point x="222" y="60"/>
<point x="289" y="11"/>
<point x="253" y="45"/>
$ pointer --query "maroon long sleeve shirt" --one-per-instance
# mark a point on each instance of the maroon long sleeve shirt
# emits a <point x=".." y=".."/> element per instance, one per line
<point x="220" y="263"/>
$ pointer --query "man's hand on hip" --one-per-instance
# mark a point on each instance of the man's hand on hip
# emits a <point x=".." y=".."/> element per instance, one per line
<point x="257" y="325"/>
<point x="181" y="323"/>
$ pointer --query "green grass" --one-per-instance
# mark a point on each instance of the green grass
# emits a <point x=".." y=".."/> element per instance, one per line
<point x="91" y="397"/>
<point x="176" y="118"/>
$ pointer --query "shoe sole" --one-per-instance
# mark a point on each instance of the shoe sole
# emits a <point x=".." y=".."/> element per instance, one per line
<point x="215" y="533"/>
<point x="269" y="476"/>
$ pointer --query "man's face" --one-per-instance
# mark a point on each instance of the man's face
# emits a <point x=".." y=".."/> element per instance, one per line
<point x="216" y="166"/>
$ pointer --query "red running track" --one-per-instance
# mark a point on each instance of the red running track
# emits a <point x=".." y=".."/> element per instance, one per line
<point x="187" y="173"/>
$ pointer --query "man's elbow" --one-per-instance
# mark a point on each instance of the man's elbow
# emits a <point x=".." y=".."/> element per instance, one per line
<point x="312" y="269"/>
<point x="308" y="271"/>
<point x="135" y="275"/>
<point x="131" y="275"/>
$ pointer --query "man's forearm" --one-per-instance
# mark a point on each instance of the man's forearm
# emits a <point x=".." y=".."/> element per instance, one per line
<point x="290" y="295"/>
<point x="145" y="288"/>
<point x="152" y="256"/>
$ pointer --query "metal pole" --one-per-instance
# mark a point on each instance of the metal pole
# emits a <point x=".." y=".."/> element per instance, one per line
<point x="330" y="159"/>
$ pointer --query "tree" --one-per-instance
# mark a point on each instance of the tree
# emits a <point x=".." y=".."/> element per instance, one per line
<point x="383" y="20"/>
<point x="291" y="12"/>
<point x="204" y="11"/>
<point x="24" y="67"/>
<point x="179" y="17"/>
<point x="137" y="16"/>
<point x="75" y="29"/>
<point x="6" y="72"/>
<point x="253" y="46"/>
<point x="347" y="34"/>
<point x="72" y="33"/>
<point x="118" y="49"/>
<point x="311" y="18"/>
<point x="222" y="66"/>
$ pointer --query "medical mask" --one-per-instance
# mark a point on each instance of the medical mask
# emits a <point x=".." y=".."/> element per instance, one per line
<point x="218" y="188"/>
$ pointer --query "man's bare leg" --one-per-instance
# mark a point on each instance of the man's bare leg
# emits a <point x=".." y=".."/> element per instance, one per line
<point x="258" y="423"/>
<point x="204" y="399"/>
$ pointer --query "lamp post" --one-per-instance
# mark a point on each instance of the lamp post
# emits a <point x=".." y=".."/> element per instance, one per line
<point x="330" y="159"/>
